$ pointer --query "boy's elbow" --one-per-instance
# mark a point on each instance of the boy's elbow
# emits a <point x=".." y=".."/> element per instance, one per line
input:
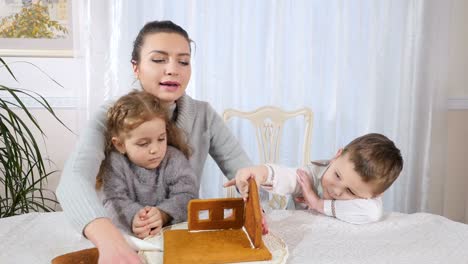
<point x="373" y="213"/>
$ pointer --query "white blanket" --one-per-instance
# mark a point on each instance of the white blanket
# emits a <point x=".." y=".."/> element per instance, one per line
<point x="398" y="238"/>
<point x="38" y="238"/>
<point x="311" y="238"/>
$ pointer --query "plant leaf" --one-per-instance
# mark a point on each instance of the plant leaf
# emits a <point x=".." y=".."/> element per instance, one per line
<point x="8" y="69"/>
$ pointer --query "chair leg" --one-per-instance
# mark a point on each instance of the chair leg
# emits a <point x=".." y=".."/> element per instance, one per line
<point x="278" y="202"/>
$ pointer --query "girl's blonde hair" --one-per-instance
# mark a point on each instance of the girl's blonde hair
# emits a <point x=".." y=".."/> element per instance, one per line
<point x="132" y="110"/>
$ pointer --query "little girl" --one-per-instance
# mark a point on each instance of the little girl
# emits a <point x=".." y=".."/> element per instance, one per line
<point x="146" y="178"/>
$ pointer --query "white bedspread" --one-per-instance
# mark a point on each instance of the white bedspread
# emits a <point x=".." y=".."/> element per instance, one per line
<point x="38" y="238"/>
<point x="311" y="238"/>
<point x="399" y="238"/>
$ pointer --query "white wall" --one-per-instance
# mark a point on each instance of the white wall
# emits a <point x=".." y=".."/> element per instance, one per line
<point x="36" y="73"/>
<point x="59" y="141"/>
<point x="456" y="185"/>
<point x="458" y="79"/>
<point x="69" y="72"/>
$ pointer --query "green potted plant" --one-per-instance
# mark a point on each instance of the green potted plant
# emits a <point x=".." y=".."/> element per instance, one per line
<point x="23" y="173"/>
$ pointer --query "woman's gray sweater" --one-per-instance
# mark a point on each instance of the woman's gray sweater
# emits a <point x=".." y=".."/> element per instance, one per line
<point x="206" y="133"/>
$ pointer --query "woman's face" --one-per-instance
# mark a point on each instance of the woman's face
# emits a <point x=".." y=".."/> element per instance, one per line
<point x="164" y="69"/>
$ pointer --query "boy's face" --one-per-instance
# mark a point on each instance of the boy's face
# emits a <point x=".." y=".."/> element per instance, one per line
<point x="145" y="145"/>
<point x="342" y="182"/>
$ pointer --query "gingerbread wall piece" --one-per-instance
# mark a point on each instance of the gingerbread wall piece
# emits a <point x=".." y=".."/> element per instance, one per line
<point x="218" y="239"/>
<point x="216" y="210"/>
<point x="253" y="215"/>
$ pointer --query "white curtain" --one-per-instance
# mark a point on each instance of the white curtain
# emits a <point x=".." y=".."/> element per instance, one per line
<point x="361" y="66"/>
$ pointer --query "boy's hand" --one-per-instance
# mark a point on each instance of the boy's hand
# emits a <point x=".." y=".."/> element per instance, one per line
<point x="259" y="173"/>
<point x="310" y="198"/>
<point x="241" y="181"/>
<point x="264" y="224"/>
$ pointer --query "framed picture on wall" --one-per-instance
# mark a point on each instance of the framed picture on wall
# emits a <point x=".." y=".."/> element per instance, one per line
<point x="36" y="28"/>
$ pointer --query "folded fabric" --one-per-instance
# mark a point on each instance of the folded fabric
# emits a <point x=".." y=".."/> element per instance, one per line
<point x="138" y="244"/>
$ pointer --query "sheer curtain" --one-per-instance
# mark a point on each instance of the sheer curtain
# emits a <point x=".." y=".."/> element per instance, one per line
<point x="366" y="66"/>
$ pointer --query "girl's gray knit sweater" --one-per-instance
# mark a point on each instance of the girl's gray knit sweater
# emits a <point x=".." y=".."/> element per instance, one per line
<point x="127" y="188"/>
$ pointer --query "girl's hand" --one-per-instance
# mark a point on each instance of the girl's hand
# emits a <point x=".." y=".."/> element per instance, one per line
<point x="139" y="224"/>
<point x="156" y="220"/>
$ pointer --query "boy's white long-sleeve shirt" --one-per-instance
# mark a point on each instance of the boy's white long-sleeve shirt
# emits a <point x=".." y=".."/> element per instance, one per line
<point x="283" y="180"/>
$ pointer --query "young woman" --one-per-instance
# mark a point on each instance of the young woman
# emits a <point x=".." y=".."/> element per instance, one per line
<point x="161" y="62"/>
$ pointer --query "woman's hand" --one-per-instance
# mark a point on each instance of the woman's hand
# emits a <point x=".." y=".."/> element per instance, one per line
<point x="110" y="242"/>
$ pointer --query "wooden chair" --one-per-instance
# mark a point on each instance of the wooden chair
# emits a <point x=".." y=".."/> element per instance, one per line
<point x="268" y="122"/>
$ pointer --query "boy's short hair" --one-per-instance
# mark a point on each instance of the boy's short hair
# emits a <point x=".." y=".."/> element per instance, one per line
<point x="376" y="159"/>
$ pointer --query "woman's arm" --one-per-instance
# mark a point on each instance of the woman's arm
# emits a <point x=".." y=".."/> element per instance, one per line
<point x="111" y="244"/>
<point x="76" y="191"/>
<point x="225" y="149"/>
<point x="78" y="197"/>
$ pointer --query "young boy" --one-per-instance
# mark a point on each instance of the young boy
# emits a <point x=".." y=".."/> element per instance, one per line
<point x="348" y="187"/>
